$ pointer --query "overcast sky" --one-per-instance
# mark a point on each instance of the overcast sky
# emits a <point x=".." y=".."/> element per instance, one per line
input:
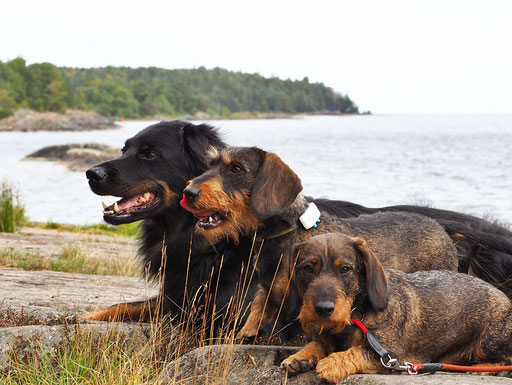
<point x="407" y="56"/>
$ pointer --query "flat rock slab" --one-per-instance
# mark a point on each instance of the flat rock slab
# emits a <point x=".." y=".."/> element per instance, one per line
<point x="23" y="340"/>
<point x="249" y="364"/>
<point x="51" y="242"/>
<point x="54" y="294"/>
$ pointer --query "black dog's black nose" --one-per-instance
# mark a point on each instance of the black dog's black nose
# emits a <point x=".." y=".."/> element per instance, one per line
<point x="192" y="193"/>
<point x="96" y="174"/>
<point x="324" y="308"/>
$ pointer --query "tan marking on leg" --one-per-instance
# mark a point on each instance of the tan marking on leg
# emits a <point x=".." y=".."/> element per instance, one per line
<point x="457" y="236"/>
<point x="259" y="315"/>
<point x="339" y="365"/>
<point x="305" y="359"/>
<point x="125" y="312"/>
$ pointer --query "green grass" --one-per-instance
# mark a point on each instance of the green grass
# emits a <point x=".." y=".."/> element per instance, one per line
<point x="71" y="260"/>
<point x="128" y="230"/>
<point x="12" y="212"/>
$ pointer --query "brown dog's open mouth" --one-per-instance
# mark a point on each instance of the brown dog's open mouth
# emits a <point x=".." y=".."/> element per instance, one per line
<point x="207" y="219"/>
<point x="131" y="205"/>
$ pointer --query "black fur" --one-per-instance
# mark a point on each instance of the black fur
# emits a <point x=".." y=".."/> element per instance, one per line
<point x="178" y="153"/>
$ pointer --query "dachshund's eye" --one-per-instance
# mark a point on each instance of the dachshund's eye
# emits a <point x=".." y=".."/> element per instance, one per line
<point x="236" y="168"/>
<point x="308" y="268"/>
<point x="344" y="269"/>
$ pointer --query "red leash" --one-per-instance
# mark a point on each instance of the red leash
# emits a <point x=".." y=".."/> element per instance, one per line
<point x="394" y="364"/>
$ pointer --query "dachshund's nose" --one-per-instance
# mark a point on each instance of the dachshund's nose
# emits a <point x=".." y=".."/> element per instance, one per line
<point x="192" y="193"/>
<point x="324" y="308"/>
<point x="96" y="174"/>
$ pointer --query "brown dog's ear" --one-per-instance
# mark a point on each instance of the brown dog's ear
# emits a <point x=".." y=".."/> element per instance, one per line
<point x="275" y="188"/>
<point x="376" y="279"/>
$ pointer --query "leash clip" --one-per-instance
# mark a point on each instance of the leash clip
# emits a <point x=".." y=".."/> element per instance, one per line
<point x="394" y="364"/>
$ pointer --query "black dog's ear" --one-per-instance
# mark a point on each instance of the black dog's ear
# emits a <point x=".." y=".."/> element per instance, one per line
<point x="275" y="188"/>
<point x="376" y="279"/>
<point x="197" y="141"/>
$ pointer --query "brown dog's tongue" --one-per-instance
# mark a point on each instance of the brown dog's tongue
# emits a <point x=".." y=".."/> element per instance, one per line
<point x="201" y="214"/>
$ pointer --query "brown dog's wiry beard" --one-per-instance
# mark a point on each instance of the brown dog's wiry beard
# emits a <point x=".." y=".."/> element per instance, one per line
<point x="313" y="324"/>
<point x="238" y="217"/>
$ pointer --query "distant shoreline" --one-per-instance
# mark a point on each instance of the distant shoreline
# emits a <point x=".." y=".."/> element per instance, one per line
<point x="26" y="120"/>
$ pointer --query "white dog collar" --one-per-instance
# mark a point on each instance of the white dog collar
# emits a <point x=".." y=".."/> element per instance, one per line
<point x="311" y="217"/>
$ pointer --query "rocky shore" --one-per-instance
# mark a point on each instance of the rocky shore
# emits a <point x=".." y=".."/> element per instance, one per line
<point x="76" y="157"/>
<point x="72" y="120"/>
<point x="51" y="305"/>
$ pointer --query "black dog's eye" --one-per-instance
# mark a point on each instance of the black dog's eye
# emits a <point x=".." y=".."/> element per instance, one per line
<point x="148" y="155"/>
<point x="345" y="269"/>
<point x="236" y="168"/>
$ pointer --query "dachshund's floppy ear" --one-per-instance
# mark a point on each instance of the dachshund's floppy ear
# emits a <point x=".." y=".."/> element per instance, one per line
<point x="275" y="188"/>
<point x="376" y="279"/>
<point x="196" y="142"/>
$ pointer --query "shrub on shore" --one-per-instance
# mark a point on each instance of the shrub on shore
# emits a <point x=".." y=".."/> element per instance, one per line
<point x="12" y="212"/>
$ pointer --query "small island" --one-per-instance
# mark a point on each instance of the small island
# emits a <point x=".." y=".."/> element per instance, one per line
<point x="76" y="157"/>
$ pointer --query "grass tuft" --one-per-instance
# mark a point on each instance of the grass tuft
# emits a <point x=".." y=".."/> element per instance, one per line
<point x="12" y="212"/>
<point x="71" y="259"/>
<point x="128" y="230"/>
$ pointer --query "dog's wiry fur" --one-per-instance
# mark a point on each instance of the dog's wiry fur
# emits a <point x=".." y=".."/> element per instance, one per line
<point x="183" y="152"/>
<point x="428" y="316"/>
<point x="161" y="159"/>
<point x="406" y="241"/>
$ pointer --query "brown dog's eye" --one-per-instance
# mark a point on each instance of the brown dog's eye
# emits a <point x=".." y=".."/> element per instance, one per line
<point x="235" y="168"/>
<point x="345" y="269"/>
<point x="308" y="268"/>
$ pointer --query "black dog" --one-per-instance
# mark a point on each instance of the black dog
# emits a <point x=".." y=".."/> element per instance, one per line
<point x="149" y="176"/>
<point x="163" y="157"/>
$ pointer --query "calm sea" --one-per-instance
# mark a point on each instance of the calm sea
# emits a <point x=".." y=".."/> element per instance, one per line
<point x="456" y="162"/>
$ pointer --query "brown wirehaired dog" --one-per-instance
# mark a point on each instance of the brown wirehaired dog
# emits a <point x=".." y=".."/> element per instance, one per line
<point x="421" y="317"/>
<point x="248" y="190"/>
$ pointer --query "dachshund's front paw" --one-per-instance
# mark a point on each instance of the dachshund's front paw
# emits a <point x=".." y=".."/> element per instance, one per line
<point x="296" y="364"/>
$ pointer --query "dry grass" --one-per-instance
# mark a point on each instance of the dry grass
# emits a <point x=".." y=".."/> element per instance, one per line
<point x="71" y="259"/>
<point x="115" y="358"/>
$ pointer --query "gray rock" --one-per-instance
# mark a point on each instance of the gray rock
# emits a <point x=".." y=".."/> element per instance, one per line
<point x="248" y="364"/>
<point x="51" y="294"/>
<point x="72" y="120"/>
<point x="23" y="340"/>
<point x="77" y="157"/>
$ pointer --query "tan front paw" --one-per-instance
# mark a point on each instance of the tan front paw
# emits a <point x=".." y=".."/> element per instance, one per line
<point x="329" y="369"/>
<point x="296" y="364"/>
<point x="247" y="332"/>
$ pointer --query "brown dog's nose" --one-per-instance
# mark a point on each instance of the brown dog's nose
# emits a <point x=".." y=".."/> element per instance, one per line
<point x="191" y="193"/>
<point x="324" y="308"/>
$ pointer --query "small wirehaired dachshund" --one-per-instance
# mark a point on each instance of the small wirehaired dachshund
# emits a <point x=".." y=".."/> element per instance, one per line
<point x="247" y="191"/>
<point x="427" y="316"/>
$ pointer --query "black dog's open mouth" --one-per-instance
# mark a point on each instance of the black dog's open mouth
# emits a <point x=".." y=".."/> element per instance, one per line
<point x="126" y="207"/>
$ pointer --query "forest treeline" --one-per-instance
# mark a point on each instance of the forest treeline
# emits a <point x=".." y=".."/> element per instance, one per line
<point x="140" y="92"/>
